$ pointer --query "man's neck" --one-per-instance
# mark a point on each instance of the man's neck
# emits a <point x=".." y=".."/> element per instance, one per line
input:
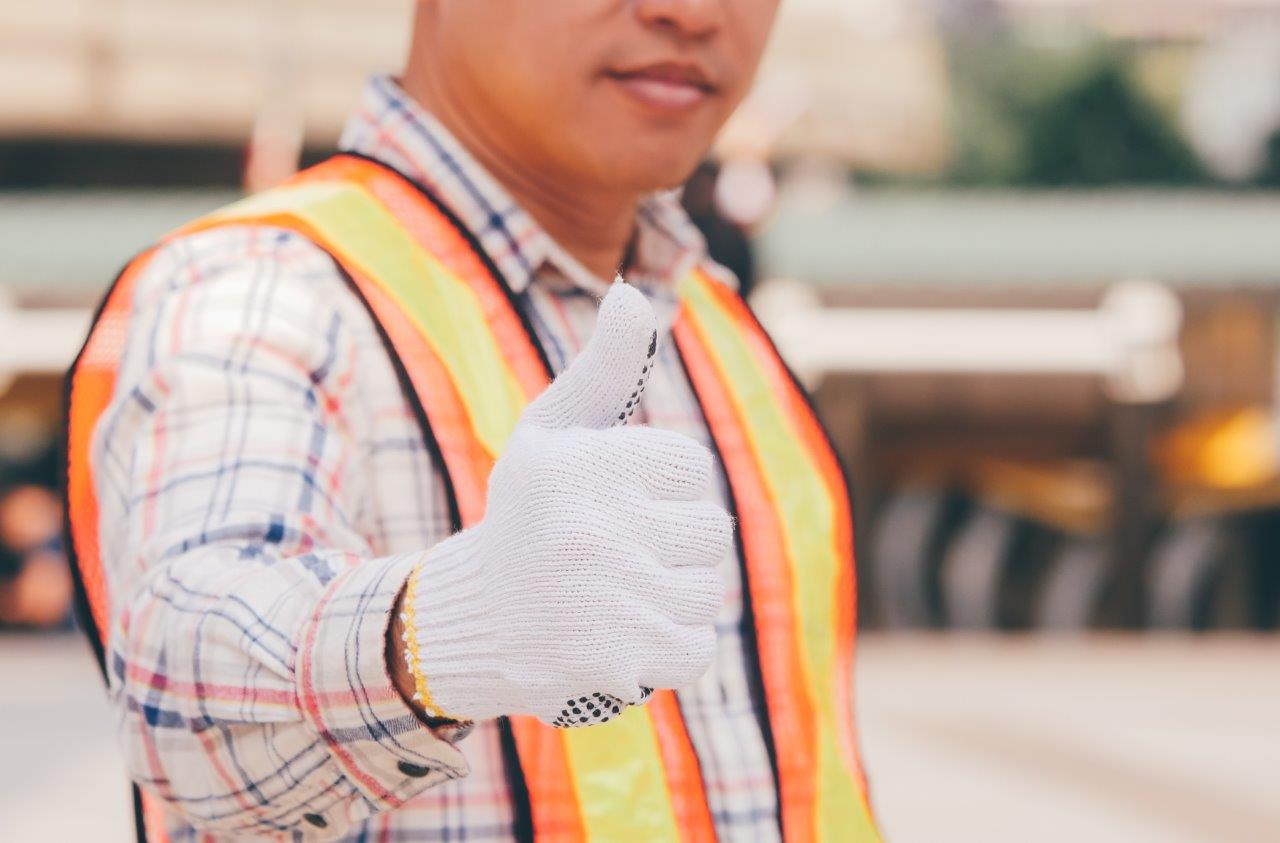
<point x="594" y="226"/>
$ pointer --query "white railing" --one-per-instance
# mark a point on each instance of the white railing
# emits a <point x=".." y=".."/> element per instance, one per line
<point x="1130" y="340"/>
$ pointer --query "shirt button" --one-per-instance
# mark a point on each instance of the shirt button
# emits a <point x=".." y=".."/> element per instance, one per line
<point x="316" y="820"/>
<point x="415" y="770"/>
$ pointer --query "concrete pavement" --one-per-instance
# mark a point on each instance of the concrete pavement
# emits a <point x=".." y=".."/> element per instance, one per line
<point x="966" y="739"/>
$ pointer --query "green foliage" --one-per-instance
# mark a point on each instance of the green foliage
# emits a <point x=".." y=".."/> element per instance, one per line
<point x="1269" y="175"/>
<point x="1062" y="114"/>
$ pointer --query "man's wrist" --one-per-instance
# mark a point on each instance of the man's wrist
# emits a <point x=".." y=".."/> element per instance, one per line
<point x="344" y="685"/>
<point x="397" y="666"/>
<point x="402" y="676"/>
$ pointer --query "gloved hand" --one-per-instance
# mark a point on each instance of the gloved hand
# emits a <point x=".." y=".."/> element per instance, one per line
<point x="592" y="576"/>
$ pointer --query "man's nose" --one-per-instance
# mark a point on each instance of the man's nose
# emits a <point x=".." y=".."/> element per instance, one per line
<point x="689" y="18"/>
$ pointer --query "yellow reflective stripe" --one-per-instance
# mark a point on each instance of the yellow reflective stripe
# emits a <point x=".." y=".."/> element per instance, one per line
<point x="796" y="488"/>
<point x="347" y="219"/>
<point x="618" y="774"/>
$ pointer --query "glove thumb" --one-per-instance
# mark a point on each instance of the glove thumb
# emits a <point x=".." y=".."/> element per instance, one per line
<point x="602" y="386"/>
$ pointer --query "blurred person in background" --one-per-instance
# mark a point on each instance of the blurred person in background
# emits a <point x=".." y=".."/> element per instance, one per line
<point x="330" y="524"/>
<point x="35" y="584"/>
<point x="727" y="243"/>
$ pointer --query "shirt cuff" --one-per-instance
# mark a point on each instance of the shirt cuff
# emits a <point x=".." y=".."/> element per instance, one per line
<point x="346" y="692"/>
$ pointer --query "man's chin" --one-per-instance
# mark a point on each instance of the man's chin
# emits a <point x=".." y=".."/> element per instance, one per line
<point x="638" y="163"/>
<point x="651" y="174"/>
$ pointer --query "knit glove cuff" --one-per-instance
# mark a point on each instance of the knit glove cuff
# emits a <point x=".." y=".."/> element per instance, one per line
<point x="444" y="646"/>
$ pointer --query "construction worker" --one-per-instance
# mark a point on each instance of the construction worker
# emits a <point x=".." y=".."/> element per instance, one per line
<point x="356" y="572"/>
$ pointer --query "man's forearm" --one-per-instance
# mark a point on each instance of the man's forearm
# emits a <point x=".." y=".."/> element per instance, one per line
<point x="306" y="706"/>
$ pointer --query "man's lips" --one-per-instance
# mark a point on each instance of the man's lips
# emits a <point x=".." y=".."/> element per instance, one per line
<point x="666" y="86"/>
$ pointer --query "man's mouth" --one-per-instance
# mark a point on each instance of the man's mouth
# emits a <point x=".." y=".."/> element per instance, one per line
<point x="666" y="86"/>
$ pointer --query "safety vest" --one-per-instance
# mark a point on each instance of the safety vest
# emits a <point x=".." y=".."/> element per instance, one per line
<point x="470" y="363"/>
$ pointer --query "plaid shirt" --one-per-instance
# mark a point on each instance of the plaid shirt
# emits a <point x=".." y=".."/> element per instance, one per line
<point x="265" y="490"/>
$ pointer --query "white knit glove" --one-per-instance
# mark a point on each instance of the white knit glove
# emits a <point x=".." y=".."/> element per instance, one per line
<point x="592" y="576"/>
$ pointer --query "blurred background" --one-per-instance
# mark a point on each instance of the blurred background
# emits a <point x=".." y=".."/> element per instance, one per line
<point x="1026" y="254"/>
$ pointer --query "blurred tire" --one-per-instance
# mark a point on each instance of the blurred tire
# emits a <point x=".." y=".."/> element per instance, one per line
<point x="1074" y="585"/>
<point x="903" y="553"/>
<point x="973" y="569"/>
<point x="1200" y="577"/>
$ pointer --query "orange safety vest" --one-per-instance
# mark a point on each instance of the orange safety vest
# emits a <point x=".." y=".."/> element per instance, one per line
<point x="470" y="363"/>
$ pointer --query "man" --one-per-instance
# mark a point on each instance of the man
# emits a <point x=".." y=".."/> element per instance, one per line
<point x="356" y="575"/>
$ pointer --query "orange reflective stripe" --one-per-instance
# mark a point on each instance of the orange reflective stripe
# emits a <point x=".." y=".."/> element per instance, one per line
<point x="466" y="460"/>
<point x="93" y="380"/>
<point x="846" y="586"/>
<point x="803" y="420"/>
<point x="153" y="818"/>
<point x="92" y="384"/>
<point x="440" y="238"/>
<point x="684" y="776"/>
<point x="779" y="459"/>
<point x="769" y="581"/>
<point x="544" y="762"/>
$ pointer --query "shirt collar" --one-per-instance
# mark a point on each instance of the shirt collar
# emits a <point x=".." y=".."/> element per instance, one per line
<point x="389" y="126"/>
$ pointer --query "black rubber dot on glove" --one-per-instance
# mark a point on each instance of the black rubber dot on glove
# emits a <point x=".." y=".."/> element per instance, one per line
<point x="600" y="708"/>
<point x="580" y="712"/>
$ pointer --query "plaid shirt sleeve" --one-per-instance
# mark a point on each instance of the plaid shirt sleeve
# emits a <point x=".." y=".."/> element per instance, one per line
<point x="247" y="646"/>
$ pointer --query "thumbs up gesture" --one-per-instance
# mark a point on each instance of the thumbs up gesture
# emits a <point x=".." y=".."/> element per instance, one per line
<point x="592" y="576"/>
